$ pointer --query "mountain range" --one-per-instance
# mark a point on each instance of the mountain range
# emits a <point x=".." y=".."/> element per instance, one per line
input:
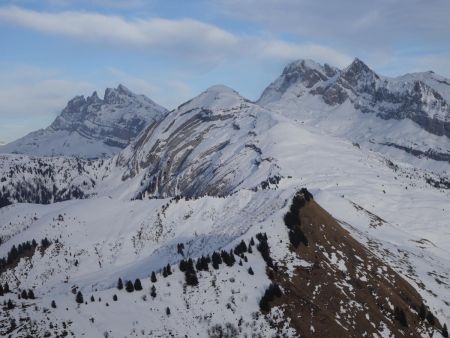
<point x="319" y="210"/>
<point x="91" y="127"/>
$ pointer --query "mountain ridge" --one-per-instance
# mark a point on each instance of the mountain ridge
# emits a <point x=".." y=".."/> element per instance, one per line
<point x="92" y="127"/>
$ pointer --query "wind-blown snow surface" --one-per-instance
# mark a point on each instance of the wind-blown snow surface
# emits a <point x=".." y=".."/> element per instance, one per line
<point x="390" y="207"/>
<point x="92" y="127"/>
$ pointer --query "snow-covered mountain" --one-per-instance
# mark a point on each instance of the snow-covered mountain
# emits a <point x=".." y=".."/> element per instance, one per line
<point x="366" y="255"/>
<point x="91" y="127"/>
<point x="407" y="117"/>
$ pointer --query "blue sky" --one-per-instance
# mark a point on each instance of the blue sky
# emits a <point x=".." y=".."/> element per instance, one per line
<point x="52" y="50"/>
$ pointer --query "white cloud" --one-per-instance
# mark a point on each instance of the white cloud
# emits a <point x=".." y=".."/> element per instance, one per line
<point x="183" y="39"/>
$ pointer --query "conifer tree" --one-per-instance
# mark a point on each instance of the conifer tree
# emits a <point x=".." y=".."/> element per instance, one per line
<point x="422" y="312"/>
<point x="10" y="304"/>
<point x="153" y="278"/>
<point x="250" y="271"/>
<point x="79" y="298"/>
<point x="164" y="273"/>
<point x="1" y="290"/>
<point x="115" y="298"/>
<point x="137" y="285"/>
<point x="30" y="294"/>
<point x="92" y="298"/>
<point x="153" y="292"/>
<point x="129" y="286"/>
<point x="445" y="331"/>
<point x="120" y="284"/>
<point x="24" y="294"/>
<point x="53" y="305"/>
<point x="6" y="288"/>
<point x="167" y="311"/>
<point x="169" y="270"/>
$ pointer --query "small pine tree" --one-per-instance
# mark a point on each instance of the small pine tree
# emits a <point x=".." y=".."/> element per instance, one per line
<point x="423" y="312"/>
<point x="92" y="298"/>
<point x="137" y="285"/>
<point x="6" y="288"/>
<point x="115" y="298"/>
<point x="250" y="250"/>
<point x="30" y="294"/>
<point x="120" y="284"/>
<point x="250" y="271"/>
<point x="430" y="318"/>
<point x="169" y="270"/>
<point x="1" y="290"/>
<point x="53" y="305"/>
<point x="129" y="286"/>
<point x="153" y="292"/>
<point x="10" y="304"/>
<point x="400" y="316"/>
<point x="153" y="278"/>
<point x="445" y="331"/>
<point x="240" y="262"/>
<point x="167" y="311"/>
<point x="164" y="272"/>
<point x="79" y="298"/>
<point x="24" y="294"/>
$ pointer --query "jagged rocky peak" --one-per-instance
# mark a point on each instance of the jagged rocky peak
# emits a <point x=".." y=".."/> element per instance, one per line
<point x="118" y="95"/>
<point x="358" y="71"/>
<point x="308" y="72"/>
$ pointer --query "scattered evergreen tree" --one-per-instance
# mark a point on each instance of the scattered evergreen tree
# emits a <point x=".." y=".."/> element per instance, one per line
<point x="153" y="278"/>
<point x="53" y="304"/>
<point x="263" y="248"/>
<point x="10" y="304"/>
<point x="400" y="316"/>
<point x="183" y="265"/>
<point x="120" y="284"/>
<point x="216" y="260"/>
<point x="115" y="298"/>
<point x="24" y="294"/>
<point x="180" y="248"/>
<point x="250" y="271"/>
<point x="6" y="288"/>
<point x="79" y="298"/>
<point x="252" y="241"/>
<point x="137" y="285"/>
<point x="190" y="274"/>
<point x="240" y="248"/>
<point x="250" y="250"/>
<point x="169" y="270"/>
<point x="1" y="290"/>
<point x="164" y="273"/>
<point x="30" y="294"/>
<point x="430" y="318"/>
<point x="92" y="298"/>
<point x="445" y="331"/>
<point x="153" y="292"/>
<point x="240" y="262"/>
<point x="129" y="286"/>
<point x="167" y="311"/>
<point x="423" y="312"/>
<point x="269" y="295"/>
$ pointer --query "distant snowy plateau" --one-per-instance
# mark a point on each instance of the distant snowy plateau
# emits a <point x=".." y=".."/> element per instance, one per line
<point x="122" y="219"/>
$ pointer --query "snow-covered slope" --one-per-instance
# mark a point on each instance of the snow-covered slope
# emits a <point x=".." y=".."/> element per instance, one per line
<point x="92" y="127"/>
<point x="407" y="118"/>
<point x="217" y="171"/>
<point x="209" y="145"/>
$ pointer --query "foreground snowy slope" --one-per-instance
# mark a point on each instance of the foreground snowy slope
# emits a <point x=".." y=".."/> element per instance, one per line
<point x="92" y="127"/>
<point x="407" y="118"/>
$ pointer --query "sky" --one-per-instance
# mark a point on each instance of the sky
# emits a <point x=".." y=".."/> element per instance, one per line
<point x="53" y="50"/>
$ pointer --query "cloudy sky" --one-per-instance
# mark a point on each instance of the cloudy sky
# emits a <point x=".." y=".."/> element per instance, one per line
<point x="52" y="50"/>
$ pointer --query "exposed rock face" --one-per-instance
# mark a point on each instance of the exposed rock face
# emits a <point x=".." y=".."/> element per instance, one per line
<point x="319" y="93"/>
<point x="92" y="127"/>
<point x="209" y="145"/>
